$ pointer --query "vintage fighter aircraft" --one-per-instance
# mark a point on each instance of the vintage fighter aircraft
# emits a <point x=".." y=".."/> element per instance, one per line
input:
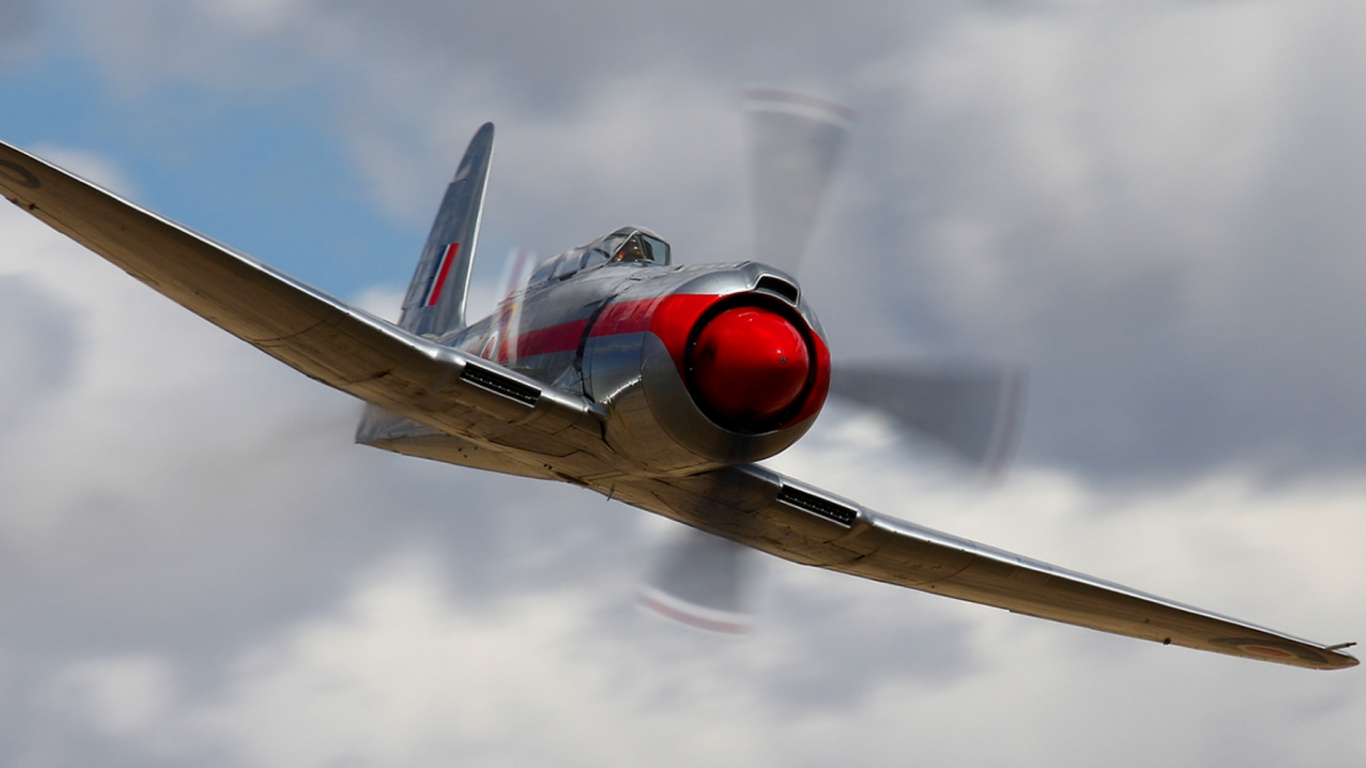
<point x="615" y="369"/>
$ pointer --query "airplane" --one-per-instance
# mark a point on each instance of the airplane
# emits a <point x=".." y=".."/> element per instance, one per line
<point x="659" y="384"/>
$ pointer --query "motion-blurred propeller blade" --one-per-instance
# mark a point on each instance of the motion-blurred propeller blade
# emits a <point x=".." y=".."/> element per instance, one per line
<point x="516" y="272"/>
<point x="972" y="412"/>
<point x="704" y="581"/>
<point x="796" y="143"/>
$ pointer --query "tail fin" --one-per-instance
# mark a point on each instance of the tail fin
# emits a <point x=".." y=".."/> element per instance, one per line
<point x="435" y="303"/>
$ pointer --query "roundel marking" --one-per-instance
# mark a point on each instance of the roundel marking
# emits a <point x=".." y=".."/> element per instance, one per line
<point x="1268" y="651"/>
<point x="18" y="174"/>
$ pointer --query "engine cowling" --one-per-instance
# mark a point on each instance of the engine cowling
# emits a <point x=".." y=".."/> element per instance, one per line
<point x="714" y="371"/>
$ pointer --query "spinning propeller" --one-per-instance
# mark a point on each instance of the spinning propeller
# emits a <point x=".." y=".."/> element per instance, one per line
<point x="795" y="144"/>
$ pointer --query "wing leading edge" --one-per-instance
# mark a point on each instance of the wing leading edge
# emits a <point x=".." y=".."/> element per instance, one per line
<point x="318" y="335"/>
<point x="797" y="522"/>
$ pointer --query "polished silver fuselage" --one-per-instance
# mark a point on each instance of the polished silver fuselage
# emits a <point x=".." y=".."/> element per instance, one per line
<point x="592" y="334"/>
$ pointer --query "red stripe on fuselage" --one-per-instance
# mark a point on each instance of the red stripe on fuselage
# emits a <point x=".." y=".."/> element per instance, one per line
<point x="439" y="283"/>
<point x="626" y="317"/>
<point x="556" y="338"/>
<point x="672" y="319"/>
<point x="669" y="317"/>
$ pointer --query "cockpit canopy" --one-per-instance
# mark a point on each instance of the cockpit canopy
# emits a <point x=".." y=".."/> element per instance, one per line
<point x="628" y="245"/>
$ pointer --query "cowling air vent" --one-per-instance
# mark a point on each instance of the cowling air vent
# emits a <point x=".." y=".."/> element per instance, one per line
<point x="502" y="385"/>
<point x="833" y="511"/>
<point x="777" y="285"/>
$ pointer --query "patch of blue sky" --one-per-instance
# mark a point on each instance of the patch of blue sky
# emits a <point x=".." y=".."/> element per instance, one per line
<point x="266" y="174"/>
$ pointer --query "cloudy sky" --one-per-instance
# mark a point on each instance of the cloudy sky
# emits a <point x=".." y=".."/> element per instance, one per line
<point x="1155" y="206"/>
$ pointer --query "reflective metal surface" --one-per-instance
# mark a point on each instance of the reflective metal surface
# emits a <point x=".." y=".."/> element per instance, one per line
<point x="558" y="411"/>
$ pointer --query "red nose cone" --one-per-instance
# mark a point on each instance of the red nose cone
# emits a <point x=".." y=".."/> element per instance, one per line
<point x="750" y="364"/>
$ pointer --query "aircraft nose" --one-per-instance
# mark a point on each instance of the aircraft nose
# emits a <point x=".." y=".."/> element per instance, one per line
<point x="750" y="364"/>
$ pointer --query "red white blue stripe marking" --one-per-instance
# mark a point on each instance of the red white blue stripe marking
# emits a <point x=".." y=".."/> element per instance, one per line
<point x="439" y="279"/>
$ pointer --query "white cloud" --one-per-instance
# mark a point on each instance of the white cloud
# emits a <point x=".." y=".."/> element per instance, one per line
<point x="405" y="673"/>
<point x="197" y="567"/>
<point x="255" y="16"/>
<point x="1147" y="204"/>
<point x="89" y="166"/>
<point x="120" y="697"/>
<point x="39" y="360"/>
<point x="1109" y="116"/>
<point x="404" y="676"/>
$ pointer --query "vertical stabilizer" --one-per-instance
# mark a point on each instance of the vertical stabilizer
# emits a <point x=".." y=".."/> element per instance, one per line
<point x="435" y="303"/>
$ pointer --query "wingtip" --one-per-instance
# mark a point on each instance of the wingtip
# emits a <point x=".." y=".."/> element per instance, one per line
<point x="1334" y="658"/>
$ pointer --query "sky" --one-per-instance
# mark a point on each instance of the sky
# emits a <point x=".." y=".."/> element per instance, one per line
<point x="1153" y="206"/>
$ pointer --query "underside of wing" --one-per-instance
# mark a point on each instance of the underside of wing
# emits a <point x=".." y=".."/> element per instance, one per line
<point x="318" y="335"/>
<point x="797" y="522"/>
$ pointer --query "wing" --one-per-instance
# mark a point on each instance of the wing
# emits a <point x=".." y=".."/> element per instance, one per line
<point x="312" y="332"/>
<point x="797" y="522"/>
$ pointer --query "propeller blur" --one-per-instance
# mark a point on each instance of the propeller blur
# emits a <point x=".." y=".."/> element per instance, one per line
<point x="615" y="369"/>
<point x="969" y="413"/>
